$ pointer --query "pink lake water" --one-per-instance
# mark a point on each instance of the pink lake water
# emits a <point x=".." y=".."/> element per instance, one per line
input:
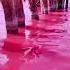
<point x="45" y="46"/>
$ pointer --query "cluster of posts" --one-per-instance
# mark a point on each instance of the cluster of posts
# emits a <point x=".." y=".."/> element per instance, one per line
<point x="14" y="11"/>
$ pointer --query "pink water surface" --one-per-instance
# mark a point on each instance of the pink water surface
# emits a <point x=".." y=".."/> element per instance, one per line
<point x="46" y="45"/>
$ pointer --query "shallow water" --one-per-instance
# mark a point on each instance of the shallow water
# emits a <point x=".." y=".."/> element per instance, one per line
<point x="45" y="46"/>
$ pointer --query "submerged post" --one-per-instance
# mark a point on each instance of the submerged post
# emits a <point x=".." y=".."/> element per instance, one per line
<point x="10" y="16"/>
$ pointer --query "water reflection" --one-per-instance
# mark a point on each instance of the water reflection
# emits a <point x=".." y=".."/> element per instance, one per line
<point x="46" y="45"/>
<point x="48" y="39"/>
<point x="49" y="35"/>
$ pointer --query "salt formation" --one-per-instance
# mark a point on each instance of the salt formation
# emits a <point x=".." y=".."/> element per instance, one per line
<point x="3" y="59"/>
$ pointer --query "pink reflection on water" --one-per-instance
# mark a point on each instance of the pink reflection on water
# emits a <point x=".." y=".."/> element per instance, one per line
<point x="47" y="46"/>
